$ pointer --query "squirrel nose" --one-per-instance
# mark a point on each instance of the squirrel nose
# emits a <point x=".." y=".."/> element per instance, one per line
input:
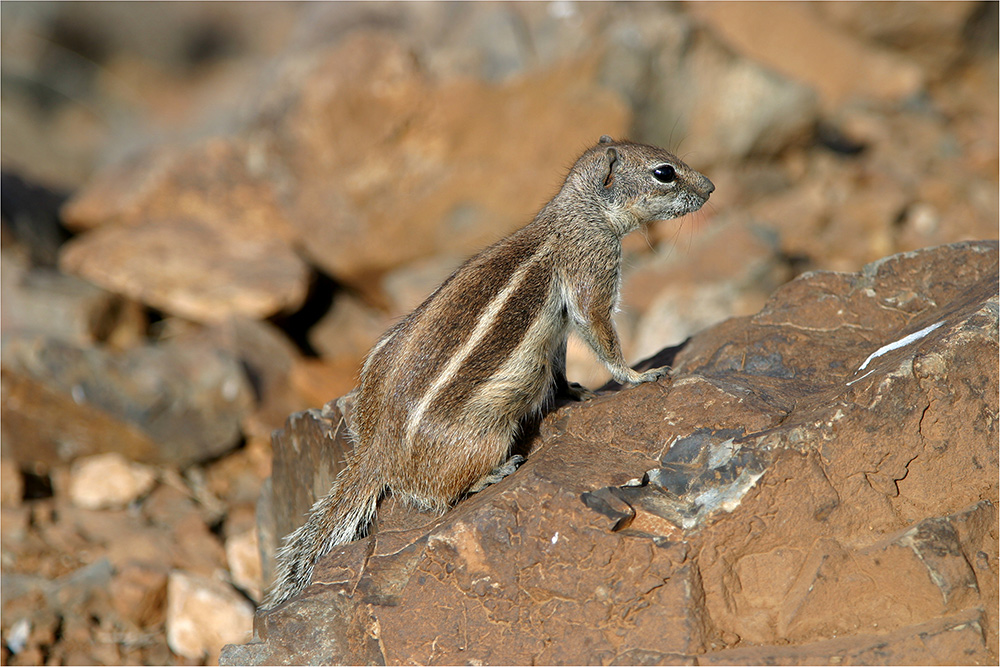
<point x="707" y="187"/>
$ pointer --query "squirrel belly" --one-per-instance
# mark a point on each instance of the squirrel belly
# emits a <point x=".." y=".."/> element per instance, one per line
<point x="445" y="391"/>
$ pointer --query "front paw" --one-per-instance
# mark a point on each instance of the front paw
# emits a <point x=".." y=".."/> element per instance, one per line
<point x="654" y="374"/>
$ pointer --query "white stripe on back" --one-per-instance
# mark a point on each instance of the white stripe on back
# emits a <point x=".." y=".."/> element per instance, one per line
<point x="483" y="325"/>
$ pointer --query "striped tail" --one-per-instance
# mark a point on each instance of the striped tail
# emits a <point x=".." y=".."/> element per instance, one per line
<point x="336" y="518"/>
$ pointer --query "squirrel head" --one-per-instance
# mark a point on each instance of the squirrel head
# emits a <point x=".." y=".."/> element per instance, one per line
<point x="635" y="184"/>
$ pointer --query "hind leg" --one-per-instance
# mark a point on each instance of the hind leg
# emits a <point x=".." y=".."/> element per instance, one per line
<point x="447" y="467"/>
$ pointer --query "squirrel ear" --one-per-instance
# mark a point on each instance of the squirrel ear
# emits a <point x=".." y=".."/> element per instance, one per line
<point x="612" y="156"/>
<point x="605" y="139"/>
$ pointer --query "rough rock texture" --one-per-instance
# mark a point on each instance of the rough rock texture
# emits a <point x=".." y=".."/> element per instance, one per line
<point x="818" y="483"/>
<point x="308" y="455"/>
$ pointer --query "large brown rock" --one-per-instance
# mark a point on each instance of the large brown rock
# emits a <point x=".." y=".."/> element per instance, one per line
<point x="818" y="483"/>
<point x="41" y="302"/>
<point x="268" y="357"/>
<point x="354" y="143"/>
<point x="801" y="43"/>
<point x="701" y="92"/>
<point x="170" y="403"/>
<point x="191" y="269"/>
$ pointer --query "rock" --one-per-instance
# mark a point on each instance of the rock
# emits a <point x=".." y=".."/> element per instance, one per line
<point x="169" y="403"/>
<point x="348" y="330"/>
<point x="685" y="85"/>
<point x="407" y="287"/>
<point x="798" y="42"/>
<point x="70" y="594"/>
<point x="729" y="107"/>
<point x="203" y="615"/>
<point x="728" y="269"/>
<point x="108" y="481"/>
<point x="447" y="199"/>
<point x="302" y="471"/>
<point x="267" y="356"/>
<point x="199" y="550"/>
<point x="236" y="478"/>
<point x="839" y="212"/>
<point x="672" y="74"/>
<point x="494" y="43"/>
<point x="838" y="445"/>
<point x="214" y="274"/>
<point x="11" y="484"/>
<point x="80" y="642"/>
<point x="240" y="520"/>
<point x="121" y="536"/>
<point x="315" y="171"/>
<point x="181" y="66"/>
<point x="933" y="36"/>
<point x="14" y="526"/>
<point x="937" y="641"/>
<point x="678" y="314"/>
<point x="243" y="557"/>
<point x="318" y="380"/>
<point x="154" y="548"/>
<point x="41" y="302"/>
<point x="28" y="616"/>
<point x="169" y="504"/>
<point x="30" y="434"/>
<point x="17" y="639"/>
<point x="139" y="593"/>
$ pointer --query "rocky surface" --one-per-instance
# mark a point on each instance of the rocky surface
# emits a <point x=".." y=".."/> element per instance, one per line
<point x="177" y="403"/>
<point x="308" y="454"/>
<point x="839" y="445"/>
<point x="247" y="196"/>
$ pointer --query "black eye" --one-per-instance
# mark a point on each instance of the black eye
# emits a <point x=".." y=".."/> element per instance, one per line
<point x="665" y="173"/>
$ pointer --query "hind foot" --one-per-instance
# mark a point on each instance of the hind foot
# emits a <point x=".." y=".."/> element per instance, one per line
<point x="578" y="392"/>
<point x="501" y="471"/>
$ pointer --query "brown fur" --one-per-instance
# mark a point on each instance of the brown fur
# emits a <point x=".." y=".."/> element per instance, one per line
<point x="444" y="392"/>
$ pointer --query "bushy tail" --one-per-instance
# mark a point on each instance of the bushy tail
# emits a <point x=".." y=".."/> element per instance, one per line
<point x="334" y="519"/>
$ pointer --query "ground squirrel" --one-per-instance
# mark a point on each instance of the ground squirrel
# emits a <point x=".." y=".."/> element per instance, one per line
<point x="444" y="391"/>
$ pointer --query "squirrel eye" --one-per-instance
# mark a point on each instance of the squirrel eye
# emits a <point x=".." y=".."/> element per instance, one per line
<point x="665" y="173"/>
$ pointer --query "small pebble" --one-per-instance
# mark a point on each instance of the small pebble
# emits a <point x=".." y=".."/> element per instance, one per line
<point x="108" y="481"/>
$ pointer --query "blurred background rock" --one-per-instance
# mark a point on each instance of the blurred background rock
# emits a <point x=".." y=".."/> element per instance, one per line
<point x="212" y="210"/>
